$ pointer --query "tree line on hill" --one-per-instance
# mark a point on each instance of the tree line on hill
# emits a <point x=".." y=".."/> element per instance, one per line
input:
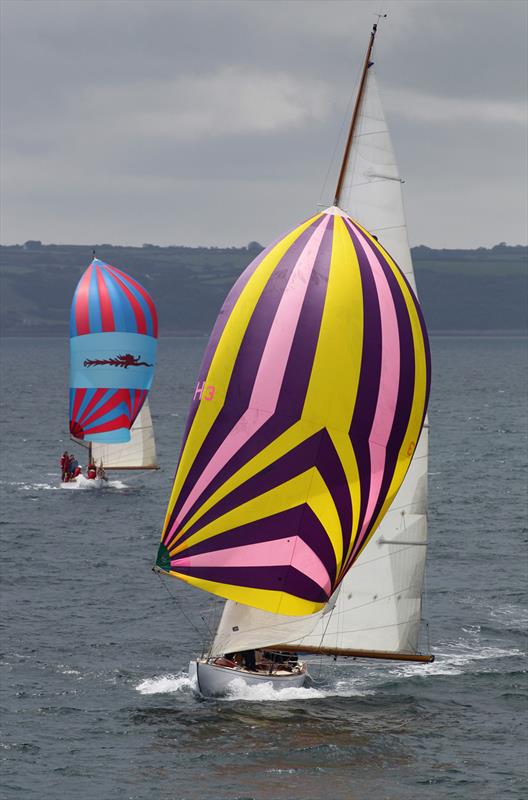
<point x="460" y="290"/>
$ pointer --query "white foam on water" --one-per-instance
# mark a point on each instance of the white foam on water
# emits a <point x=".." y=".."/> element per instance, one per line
<point x="456" y="661"/>
<point x="511" y="615"/>
<point x="83" y="483"/>
<point x="165" y="684"/>
<point x="65" y="670"/>
<point x="239" y="690"/>
<point x="23" y="486"/>
<point x="265" y="693"/>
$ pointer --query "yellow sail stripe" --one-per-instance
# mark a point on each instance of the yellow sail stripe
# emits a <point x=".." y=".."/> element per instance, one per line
<point x="332" y="391"/>
<point x="292" y="437"/>
<point x="225" y="356"/>
<point x="334" y="380"/>
<point x="337" y="362"/>
<point x="308" y="487"/>
<point x="333" y="385"/>
<point x="348" y="460"/>
<point x="266" y="599"/>
<point x="281" y="498"/>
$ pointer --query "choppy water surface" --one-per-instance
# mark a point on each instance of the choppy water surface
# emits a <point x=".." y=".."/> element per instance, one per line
<point x="96" y="702"/>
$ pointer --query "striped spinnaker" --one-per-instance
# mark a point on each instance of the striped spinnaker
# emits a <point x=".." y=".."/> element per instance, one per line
<point x="309" y="403"/>
<point x="113" y="338"/>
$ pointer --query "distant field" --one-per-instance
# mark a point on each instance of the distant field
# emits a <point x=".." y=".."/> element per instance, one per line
<point x="463" y="290"/>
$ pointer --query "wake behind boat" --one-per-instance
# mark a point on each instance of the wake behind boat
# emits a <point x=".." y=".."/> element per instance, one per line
<point x="301" y="487"/>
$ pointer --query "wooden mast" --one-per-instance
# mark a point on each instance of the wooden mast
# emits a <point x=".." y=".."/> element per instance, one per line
<point x="355" y="116"/>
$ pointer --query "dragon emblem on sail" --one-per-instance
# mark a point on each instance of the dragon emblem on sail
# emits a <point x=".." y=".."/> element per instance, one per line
<point x="125" y="361"/>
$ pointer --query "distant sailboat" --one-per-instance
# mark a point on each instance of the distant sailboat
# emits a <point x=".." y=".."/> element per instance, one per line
<point x="113" y="353"/>
<point x="300" y="493"/>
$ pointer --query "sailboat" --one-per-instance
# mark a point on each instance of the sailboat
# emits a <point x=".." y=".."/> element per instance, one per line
<point x="113" y="342"/>
<point x="300" y="492"/>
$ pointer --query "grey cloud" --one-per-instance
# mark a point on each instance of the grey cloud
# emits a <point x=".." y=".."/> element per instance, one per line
<point x="214" y="122"/>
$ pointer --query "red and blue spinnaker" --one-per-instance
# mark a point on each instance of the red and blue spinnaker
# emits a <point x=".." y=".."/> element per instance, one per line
<point x="113" y="342"/>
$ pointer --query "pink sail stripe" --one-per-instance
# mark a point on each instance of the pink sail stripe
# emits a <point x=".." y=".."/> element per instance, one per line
<point x="389" y="384"/>
<point x="292" y="551"/>
<point x="270" y="375"/>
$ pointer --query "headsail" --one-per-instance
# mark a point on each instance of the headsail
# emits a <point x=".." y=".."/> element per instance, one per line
<point x="371" y="190"/>
<point x="308" y="408"/>
<point x="113" y="330"/>
<point x="138" y="453"/>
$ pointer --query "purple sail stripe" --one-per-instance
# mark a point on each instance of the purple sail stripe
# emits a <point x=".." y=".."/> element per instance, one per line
<point x="404" y="400"/>
<point x="423" y="327"/>
<point x="369" y="376"/>
<point x="331" y="468"/>
<point x="295" y="381"/>
<point x="427" y="349"/>
<point x="296" y="377"/>
<point x="318" y="450"/>
<point x="303" y="458"/>
<point x="218" y="329"/>
<point x="247" y="362"/>
<point x="279" y="579"/>
<point x="299" y="521"/>
<point x="288" y="466"/>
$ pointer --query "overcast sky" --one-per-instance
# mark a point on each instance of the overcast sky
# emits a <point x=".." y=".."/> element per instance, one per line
<point x="214" y="123"/>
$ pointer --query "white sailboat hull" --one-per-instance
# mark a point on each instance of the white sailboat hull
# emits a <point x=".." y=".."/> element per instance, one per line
<point x="216" y="681"/>
<point x="80" y="482"/>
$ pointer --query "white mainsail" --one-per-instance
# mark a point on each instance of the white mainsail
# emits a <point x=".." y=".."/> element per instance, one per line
<point x="138" y="453"/>
<point x="378" y="606"/>
<point x="372" y="186"/>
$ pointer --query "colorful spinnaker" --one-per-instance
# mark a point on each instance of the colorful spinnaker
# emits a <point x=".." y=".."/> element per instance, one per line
<point x="308" y="407"/>
<point x="113" y="342"/>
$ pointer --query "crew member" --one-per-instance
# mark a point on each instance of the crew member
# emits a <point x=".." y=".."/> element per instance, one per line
<point x="74" y="468"/>
<point x="64" y="465"/>
<point x="248" y="657"/>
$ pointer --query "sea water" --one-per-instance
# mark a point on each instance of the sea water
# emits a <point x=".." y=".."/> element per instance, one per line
<point x="96" y="699"/>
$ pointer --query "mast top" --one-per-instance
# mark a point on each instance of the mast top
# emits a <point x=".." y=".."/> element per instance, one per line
<point x="355" y="115"/>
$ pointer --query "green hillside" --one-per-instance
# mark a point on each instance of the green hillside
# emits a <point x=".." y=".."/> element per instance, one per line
<point x="462" y="290"/>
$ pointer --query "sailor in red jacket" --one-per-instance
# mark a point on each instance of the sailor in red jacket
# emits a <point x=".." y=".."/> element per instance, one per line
<point x="65" y="465"/>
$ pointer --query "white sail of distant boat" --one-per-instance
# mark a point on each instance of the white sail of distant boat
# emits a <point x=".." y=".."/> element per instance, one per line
<point x="139" y="453"/>
<point x="265" y="470"/>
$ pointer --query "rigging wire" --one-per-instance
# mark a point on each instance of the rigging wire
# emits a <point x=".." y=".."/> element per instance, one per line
<point x="179" y="605"/>
<point x="344" y="122"/>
